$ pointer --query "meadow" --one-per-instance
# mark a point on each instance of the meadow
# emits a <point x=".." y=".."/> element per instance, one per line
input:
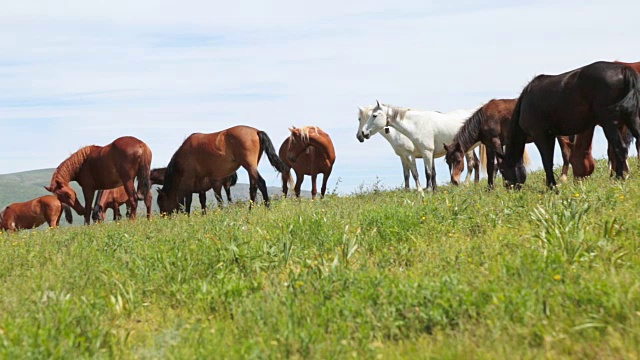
<point x="381" y="274"/>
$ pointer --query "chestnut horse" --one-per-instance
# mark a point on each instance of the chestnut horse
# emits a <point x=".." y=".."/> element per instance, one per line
<point x="308" y="151"/>
<point x="490" y="126"/>
<point x="217" y="156"/>
<point x="105" y="167"/>
<point x="581" y="159"/>
<point x="33" y="213"/>
<point x="110" y="199"/>
<point x="201" y="188"/>
<point x="602" y="93"/>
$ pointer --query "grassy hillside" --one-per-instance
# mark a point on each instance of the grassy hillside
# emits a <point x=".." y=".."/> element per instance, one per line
<point x="29" y="185"/>
<point x="462" y="273"/>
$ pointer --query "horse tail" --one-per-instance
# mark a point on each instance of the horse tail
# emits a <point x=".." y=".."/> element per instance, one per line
<point x="233" y="179"/>
<point x="67" y="213"/>
<point x="97" y="207"/>
<point x="144" y="174"/>
<point x="630" y="104"/>
<point x="267" y="146"/>
<point x="526" y="159"/>
<point x="483" y="158"/>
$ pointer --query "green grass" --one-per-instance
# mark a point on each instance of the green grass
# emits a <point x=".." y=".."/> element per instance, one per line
<point x="462" y="273"/>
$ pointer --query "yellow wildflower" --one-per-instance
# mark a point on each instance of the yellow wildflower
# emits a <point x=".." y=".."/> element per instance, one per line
<point x="557" y="278"/>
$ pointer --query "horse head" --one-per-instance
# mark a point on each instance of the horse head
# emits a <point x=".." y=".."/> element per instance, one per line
<point x="296" y="146"/>
<point x="363" y="116"/>
<point x="455" y="160"/>
<point x="378" y="119"/>
<point x="167" y="203"/>
<point x="66" y="195"/>
<point x="514" y="175"/>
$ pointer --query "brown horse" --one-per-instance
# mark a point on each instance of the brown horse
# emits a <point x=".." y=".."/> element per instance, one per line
<point x="489" y="125"/>
<point x="201" y="188"/>
<point x="308" y="151"/>
<point x="602" y="93"/>
<point x="105" y="167"/>
<point x="581" y="159"/>
<point x="110" y="199"/>
<point x="217" y="156"/>
<point x="33" y="213"/>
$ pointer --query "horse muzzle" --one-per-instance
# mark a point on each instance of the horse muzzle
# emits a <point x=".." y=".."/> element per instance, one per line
<point x="360" y="137"/>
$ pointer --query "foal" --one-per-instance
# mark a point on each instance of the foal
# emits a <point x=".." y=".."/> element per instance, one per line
<point x="33" y="213"/>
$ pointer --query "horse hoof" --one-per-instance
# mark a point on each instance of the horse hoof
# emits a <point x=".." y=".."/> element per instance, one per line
<point x="564" y="178"/>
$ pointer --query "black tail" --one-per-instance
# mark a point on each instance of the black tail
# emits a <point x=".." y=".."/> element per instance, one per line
<point x="267" y="146"/>
<point x="97" y="209"/>
<point x="67" y="213"/>
<point x="144" y="172"/>
<point x="233" y="179"/>
<point x="630" y="104"/>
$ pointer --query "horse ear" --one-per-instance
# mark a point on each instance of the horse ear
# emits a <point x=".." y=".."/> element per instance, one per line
<point x="360" y="108"/>
<point x="458" y="146"/>
<point x="377" y="103"/>
<point x="446" y="148"/>
<point x="48" y="188"/>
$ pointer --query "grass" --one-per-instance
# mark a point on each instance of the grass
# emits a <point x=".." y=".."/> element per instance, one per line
<point x="462" y="273"/>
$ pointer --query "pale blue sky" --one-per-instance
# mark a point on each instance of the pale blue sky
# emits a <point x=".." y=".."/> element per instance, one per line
<point x="74" y="73"/>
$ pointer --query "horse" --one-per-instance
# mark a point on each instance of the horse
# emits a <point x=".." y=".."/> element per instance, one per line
<point x="308" y="151"/>
<point x="105" y="167"/>
<point x="201" y="188"/>
<point x="602" y="93"/>
<point x="427" y="130"/>
<point x="490" y="126"/>
<point x="404" y="148"/>
<point x="33" y="213"/>
<point x="217" y="155"/>
<point x="110" y="199"/>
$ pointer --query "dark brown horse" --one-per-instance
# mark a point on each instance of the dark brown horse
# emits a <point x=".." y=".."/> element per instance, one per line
<point x="33" y="213"/>
<point x="217" y="156"/>
<point x="105" y="167"/>
<point x="308" y="151"/>
<point x="602" y="93"/>
<point x="489" y="125"/>
<point x="201" y="188"/>
<point x="581" y="159"/>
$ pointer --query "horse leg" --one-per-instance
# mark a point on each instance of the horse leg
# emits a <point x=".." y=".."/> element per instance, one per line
<point x="546" y="145"/>
<point x="566" y="153"/>
<point x="132" y="198"/>
<point x="476" y="168"/>
<point x="285" y="183"/>
<point x="472" y="163"/>
<point x="227" y="189"/>
<point x="314" y="188"/>
<point x="414" y="172"/>
<point x="262" y="186"/>
<point x="325" y="179"/>
<point x="188" y="199"/>
<point x="491" y="166"/>
<point x="405" y="172"/>
<point x="202" y="196"/>
<point x="619" y="147"/>
<point x="433" y="174"/>
<point x="148" y="203"/>
<point x="217" y="191"/>
<point x="580" y="157"/>
<point x="117" y="215"/>
<point x="427" y="157"/>
<point x="88" y="200"/>
<point x="299" y="180"/>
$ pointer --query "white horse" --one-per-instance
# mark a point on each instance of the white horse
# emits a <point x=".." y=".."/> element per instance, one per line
<point x="427" y="130"/>
<point x="404" y="148"/>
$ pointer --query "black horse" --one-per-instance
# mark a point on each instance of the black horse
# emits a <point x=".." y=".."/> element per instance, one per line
<point x="602" y="93"/>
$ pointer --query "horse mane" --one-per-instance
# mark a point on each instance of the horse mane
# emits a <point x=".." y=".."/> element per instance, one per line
<point x="397" y="112"/>
<point x="70" y="167"/>
<point x="365" y="111"/>
<point x="304" y="132"/>
<point x="170" y="173"/>
<point x="468" y="133"/>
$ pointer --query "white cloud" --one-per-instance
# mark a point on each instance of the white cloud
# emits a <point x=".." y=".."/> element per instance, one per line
<point x="92" y="71"/>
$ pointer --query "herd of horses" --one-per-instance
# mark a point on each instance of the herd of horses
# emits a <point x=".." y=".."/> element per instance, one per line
<point x="563" y="108"/>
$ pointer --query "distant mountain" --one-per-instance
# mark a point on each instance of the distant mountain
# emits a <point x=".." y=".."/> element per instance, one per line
<point x="23" y="186"/>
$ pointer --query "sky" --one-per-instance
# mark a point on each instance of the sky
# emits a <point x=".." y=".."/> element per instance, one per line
<point x="78" y="72"/>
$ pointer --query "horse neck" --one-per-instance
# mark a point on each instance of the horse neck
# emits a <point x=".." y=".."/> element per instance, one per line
<point x="68" y="170"/>
<point x="469" y="134"/>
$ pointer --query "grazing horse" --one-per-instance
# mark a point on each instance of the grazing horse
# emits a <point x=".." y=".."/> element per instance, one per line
<point x="33" y="213"/>
<point x="490" y="126"/>
<point x="427" y="130"/>
<point x="201" y="188"/>
<point x="105" y="167"/>
<point x="217" y="155"/>
<point x="308" y="151"/>
<point x="404" y="148"/>
<point x="602" y="93"/>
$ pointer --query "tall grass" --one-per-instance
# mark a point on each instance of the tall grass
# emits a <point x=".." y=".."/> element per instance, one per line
<point x="379" y="274"/>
